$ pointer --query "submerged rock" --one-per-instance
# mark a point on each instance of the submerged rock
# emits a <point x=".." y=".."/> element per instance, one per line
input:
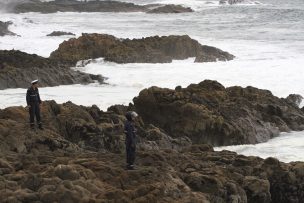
<point x="146" y="50"/>
<point x="18" y="69"/>
<point x="79" y="157"/>
<point x="231" y="2"/>
<point x="210" y="113"/>
<point x="171" y="9"/>
<point x="60" y="33"/>
<point x="4" y="28"/>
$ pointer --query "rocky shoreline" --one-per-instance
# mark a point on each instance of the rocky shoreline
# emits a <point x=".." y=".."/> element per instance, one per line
<point x="79" y="157"/>
<point x="18" y="69"/>
<point x="210" y="113"/>
<point x="93" y="6"/>
<point x="153" y="49"/>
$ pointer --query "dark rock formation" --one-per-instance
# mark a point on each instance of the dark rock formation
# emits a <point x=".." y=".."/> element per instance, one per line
<point x="18" y="69"/>
<point x="77" y="6"/>
<point x="93" y="6"/>
<point x="146" y="50"/>
<point x="60" y="33"/>
<point x="4" y="28"/>
<point x="210" y="113"/>
<point x="79" y="158"/>
<point x="295" y="99"/>
<point x="171" y="9"/>
<point x="84" y="127"/>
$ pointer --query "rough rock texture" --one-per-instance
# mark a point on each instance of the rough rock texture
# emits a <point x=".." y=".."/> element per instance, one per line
<point x="210" y="113"/>
<point x="60" y="33"/>
<point x="79" y="157"/>
<point x="295" y="99"/>
<point x="4" y="28"/>
<point x="171" y="9"/>
<point x="92" y="6"/>
<point x="77" y="6"/>
<point x="146" y="50"/>
<point x="18" y="69"/>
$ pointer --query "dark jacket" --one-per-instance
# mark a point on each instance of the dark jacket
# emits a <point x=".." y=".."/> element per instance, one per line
<point x="32" y="96"/>
<point x="130" y="132"/>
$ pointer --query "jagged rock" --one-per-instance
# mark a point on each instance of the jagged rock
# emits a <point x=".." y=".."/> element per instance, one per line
<point x="146" y="50"/>
<point x="171" y="9"/>
<point x="59" y="33"/>
<point x="18" y="69"/>
<point x="212" y="54"/>
<point x="77" y="6"/>
<point x="72" y="160"/>
<point x="92" y="6"/>
<point x="295" y="99"/>
<point x="87" y="127"/>
<point x="210" y="113"/>
<point x="4" y="28"/>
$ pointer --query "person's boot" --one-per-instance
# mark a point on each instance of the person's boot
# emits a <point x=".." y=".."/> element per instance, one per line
<point x="130" y="167"/>
<point x="32" y="126"/>
<point x="40" y="126"/>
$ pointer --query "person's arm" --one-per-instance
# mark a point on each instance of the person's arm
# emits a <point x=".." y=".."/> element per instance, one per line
<point x="28" y="97"/>
<point x="39" y="100"/>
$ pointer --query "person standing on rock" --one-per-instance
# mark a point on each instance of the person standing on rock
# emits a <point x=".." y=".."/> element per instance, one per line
<point x="130" y="132"/>
<point x="33" y="103"/>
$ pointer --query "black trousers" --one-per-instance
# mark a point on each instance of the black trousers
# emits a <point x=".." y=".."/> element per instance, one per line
<point x="130" y="154"/>
<point x="34" y="110"/>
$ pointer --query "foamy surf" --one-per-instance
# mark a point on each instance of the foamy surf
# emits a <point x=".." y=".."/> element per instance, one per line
<point x="287" y="147"/>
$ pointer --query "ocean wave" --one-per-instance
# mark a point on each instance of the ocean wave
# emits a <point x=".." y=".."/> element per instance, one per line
<point x="287" y="147"/>
<point x="243" y="3"/>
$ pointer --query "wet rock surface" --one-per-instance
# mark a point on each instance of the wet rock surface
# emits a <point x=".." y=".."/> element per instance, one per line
<point x="4" y="28"/>
<point x="77" y="6"/>
<point x="79" y="157"/>
<point x="59" y="33"/>
<point x="18" y="69"/>
<point x="146" y="50"/>
<point x="210" y="113"/>
<point x="93" y="6"/>
<point x="171" y="9"/>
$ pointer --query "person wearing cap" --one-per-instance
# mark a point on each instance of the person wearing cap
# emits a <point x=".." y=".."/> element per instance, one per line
<point x="33" y="102"/>
<point x="130" y="132"/>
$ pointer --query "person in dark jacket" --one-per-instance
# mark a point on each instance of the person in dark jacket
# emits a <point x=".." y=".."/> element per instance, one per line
<point x="33" y="103"/>
<point x="130" y="132"/>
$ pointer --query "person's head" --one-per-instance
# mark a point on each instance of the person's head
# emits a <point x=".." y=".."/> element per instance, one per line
<point x="35" y="83"/>
<point x="131" y="115"/>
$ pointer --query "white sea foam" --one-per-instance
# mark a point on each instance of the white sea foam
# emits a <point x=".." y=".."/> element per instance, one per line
<point x="287" y="147"/>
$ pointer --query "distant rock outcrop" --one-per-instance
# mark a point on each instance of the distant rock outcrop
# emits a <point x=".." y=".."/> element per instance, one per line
<point x="77" y="6"/>
<point x="210" y="113"/>
<point x="59" y="33"/>
<point x="4" y="28"/>
<point x="93" y="6"/>
<point x="146" y="50"/>
<point x="18" y="69"/>
<point x="79" y="157"/>
<point x="171" y="9"/>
